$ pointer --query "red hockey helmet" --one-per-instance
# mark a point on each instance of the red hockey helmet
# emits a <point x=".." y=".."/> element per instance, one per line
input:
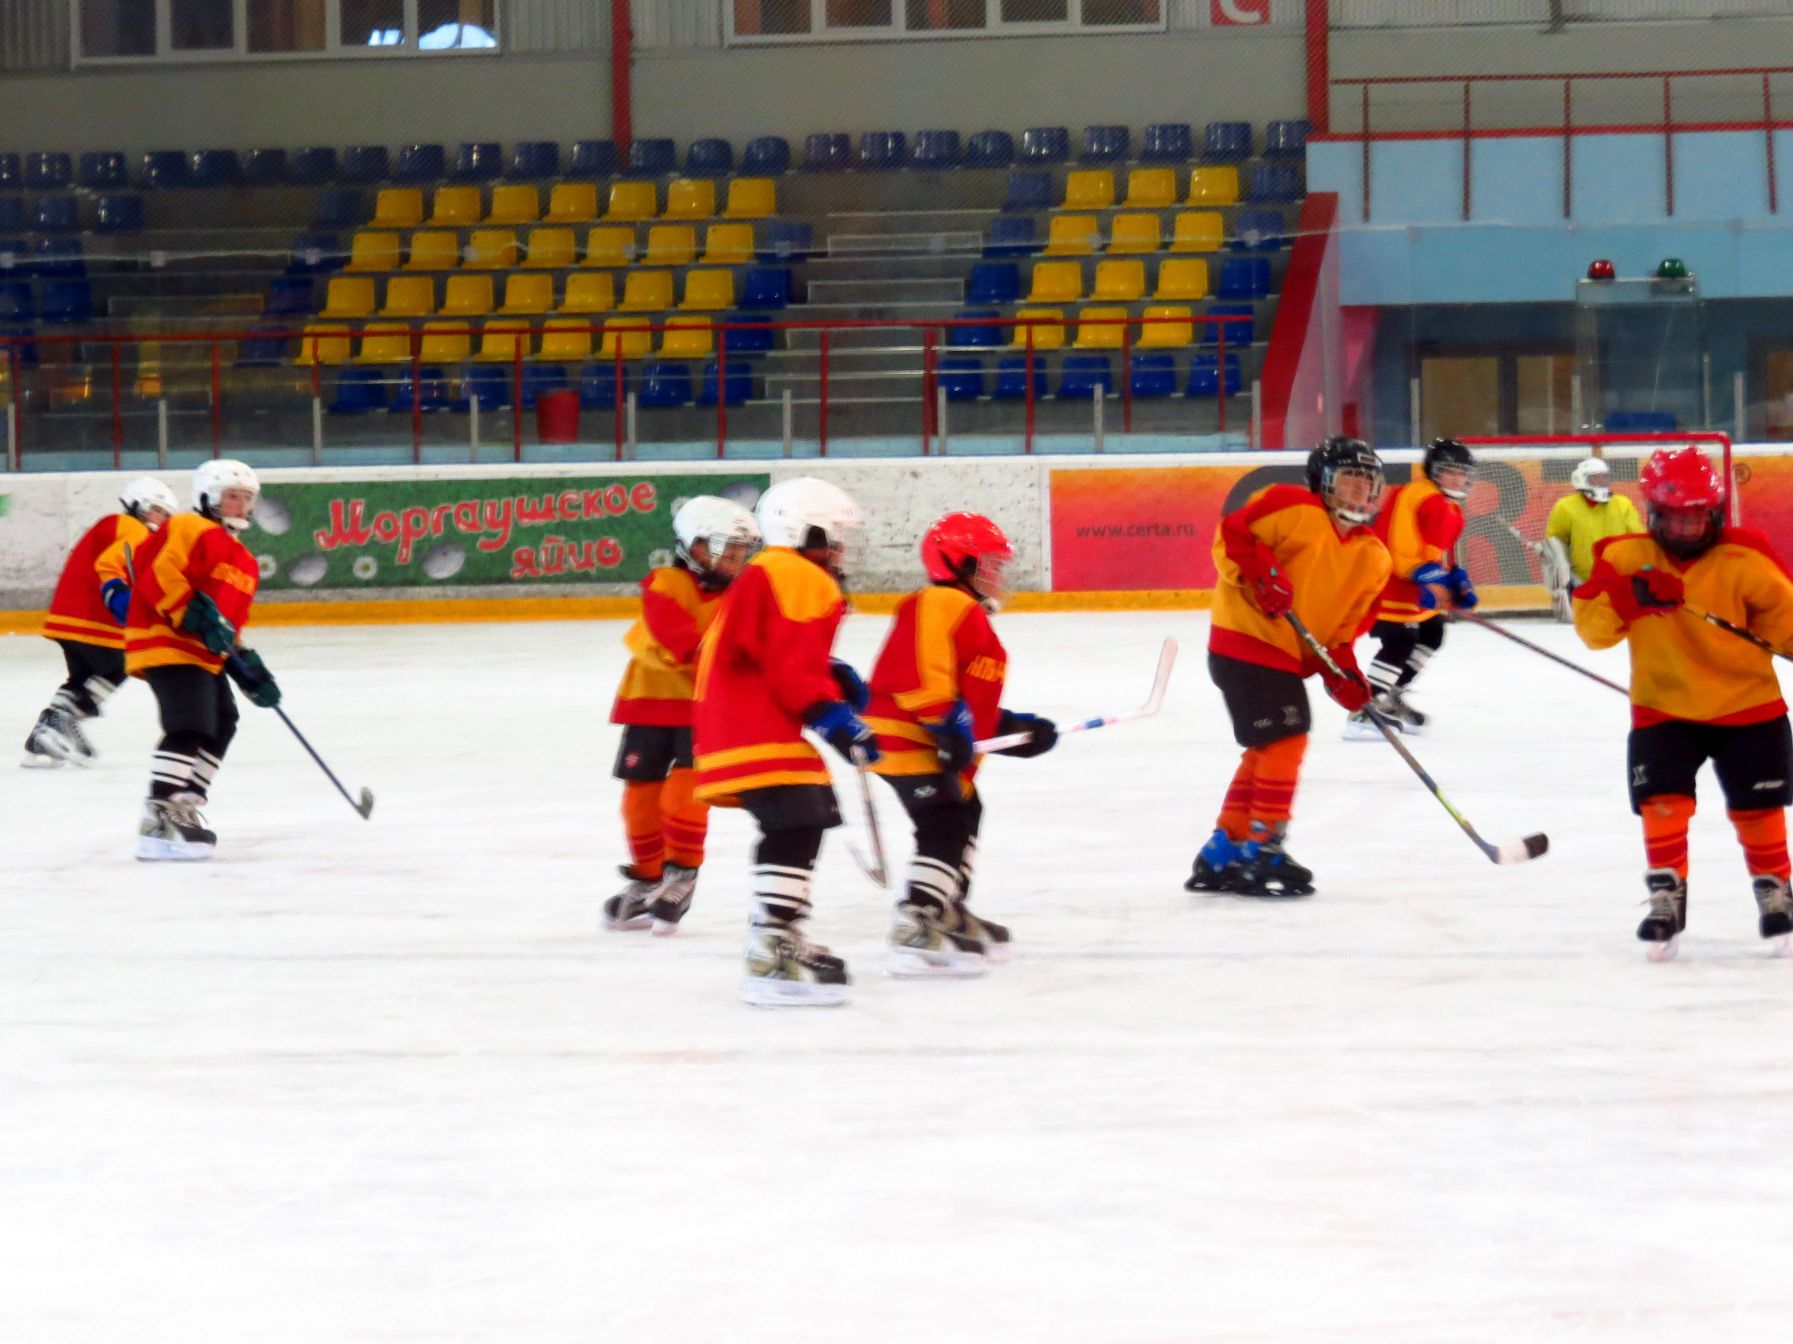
<point x="968" y="548"/>
<point x="1685" y="497"/>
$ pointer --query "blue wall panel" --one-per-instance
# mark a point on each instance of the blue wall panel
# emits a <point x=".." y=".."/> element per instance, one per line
<point x="1618" y="177"/>
<point x="1517" y="178"/>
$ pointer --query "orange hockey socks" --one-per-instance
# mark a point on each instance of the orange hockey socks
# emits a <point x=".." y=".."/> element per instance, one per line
<point x="642" y="824"/>
<point x="1273" y="782"/>
<point x="1763" y="835"/>
<point x="1665" y="831"/>
<point x="686" y="822"/>
<point x="1235" y="812"/>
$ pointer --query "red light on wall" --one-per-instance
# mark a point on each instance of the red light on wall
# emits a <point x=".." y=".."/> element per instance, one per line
<point x="1600" y="270"/>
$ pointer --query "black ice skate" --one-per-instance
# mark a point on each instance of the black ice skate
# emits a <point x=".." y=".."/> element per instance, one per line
<point x="671" y="899"/>
<point x="628" y="909"/>
<point x="994" y="936"/>
<point x="785" y="969"/>
<point x="1266" y="870"/>
<point x="926" y="940"/>
<point x="1217" y="865"/>
<point x="45" y="747"/>
<point x="1662" y="927"/>
<point x="1776" y="909"/>
<point x="1394" y="705"/>
<point x="172" y="831"/>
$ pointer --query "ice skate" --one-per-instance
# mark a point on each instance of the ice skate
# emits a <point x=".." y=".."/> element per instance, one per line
<point x="784" y="969"/>
<point x="1266" y="870"/>
<point x="1217" y="865"/>
<point x="628" y="909"/>
<point x="1361" y="728"/>
<point x="671" y="899"/>
<point x="1776" y="910"/>
<point x="70" y="727"/>
<point x="922" y="944"/>
<point x="1662" y="927"/>
<point x="172" y="831"/>
<point x="994" y="936"/>
<point x="45" y="748"/>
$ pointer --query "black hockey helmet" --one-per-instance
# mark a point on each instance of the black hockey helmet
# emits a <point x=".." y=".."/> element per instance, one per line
<point x="1336" y="460"/>
<point x="1450" y="455"/>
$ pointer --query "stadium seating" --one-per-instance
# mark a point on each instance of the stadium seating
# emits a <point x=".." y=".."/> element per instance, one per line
<point x="316" y="252"/>
<point x="118" y="214"/>
<point x="597" y="387"/>
<point x="57" y="214"/>
<point x="937" y="149"/>
<point x="664" y="384"/>
<point x="786" y="239"/>
<point x="1088" y="190"/>
<point x="1101" y="328"/>
<point x="164" y="168"/>
<point x="1238" y="327"/>
<point x="514" y="204"/>
<point x="690" y="198"/>
<point x="646" y="292"/>
<point x="567" y="341"/>
<point x="420" y="164"/>
<point x="213" y="168"/>
<point x="993" y="282"/>
<point x="1166" y="325"/>
<point x="1258" y="230"/>
<point x="17" y="303"/>
<point x="105" y="169"/>
<point x="66" y="301"/>
<point x="1151" y="189"/>
<point x="981" y="333"/>
<point x="572" y="203"/>
<point x="766" y="156"/>
<point x="289" y="296"/>
<point x="1012" y="236"/>
<point x="373" y="250"/>
<point x="687" y="338"/>
<point x="961" y="377"/>
<point x="491" y="250"/>
<point x="609" y="246"/>
<point x="628" y="337"/>
<point x="323" y="343"/>
<point x="766" y="287"/>
<point x="364" y="164"/>
<point x="1012" y="380"/>
<point x="590" y="292"/>
<point x="431" y="250"/>
<point x="735" y="384"/>
<point x="751" y="198"/>
<point x="709" y="158"/>
<point x="409" y="296"/>
<point x="13" y="216"/>
<point x="1152" y="375"/>
<point x="990" y="149"/>
<point x="385" y="343"/>
<point x="527" y="295"/>
<point x="1213" y="186"/>
<point x="534" y="159"/>
<point x="314" y="166"/>
<point x="651" y="158"/>
<point x="1181" y="279"/>
<point x="670" y="245"/>
<point x="881" y="150"/>
<point x="552" y="249"/>
<point x="1106" y="144"/>
<point x="632" y="201"/>
<point x="12" y="173"/>
<point x="1028" y="193"/>
<point x="394" y="207"/>
<point x="1274" y="183"/>
<point x="592" y="159"/>
<point x="827" y="152"/>
<point x="1083" y="377"/>
<point x="358" y="391"/>
<point x="262" y="167"/>
<point x="1046" y="325"/>
<point x="1244" y="278"/>
<point x="748" y="333"/>
<point x="1045" y="144"/>
<point x="478" y="161"/>
<point x="1167" y="142"/>
<point x="504" y="343"/>
<point x="1119" y="281"/>
<point x="49" y="171"/>
<point x="468" y="296"/>
<point x="709" y="290"/>
<point x="728" y="245"/>
<point x="1135" y="233"/>
<point x="1226" y="141"/>
<point x="1285" y="139"/>
<point x="60" y="257"/>
<point x="345" y="208"/>
<point x="1198" y="231"/>
<point x="1204" y="376"/>
<point x="454" y="207"/>
<point x="1056" y="282"/>
<point x="349" y="296"/>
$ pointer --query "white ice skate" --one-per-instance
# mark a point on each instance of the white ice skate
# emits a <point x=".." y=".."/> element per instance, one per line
<point x="53" y="743"/>
<point x="172" y="831"/>
<point x="786" y="970"/>
<point x="921" y="945"/>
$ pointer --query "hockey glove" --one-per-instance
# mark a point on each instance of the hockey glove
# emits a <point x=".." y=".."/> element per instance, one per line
<point x="852" y="686"/>
<point x="1270" y="591"/>
<point x="1649" y="592"/>
<point x="954" y="737"/>
<point x="1350" y="691"/>
<point x="1429" y="578"/>
<point x="249" y="672"/>
<point x="844" y="730"/>
<point x="1463" y="594"/>
<point x="1044" y="730"/>
<point x="208" y="625"/>
<point x="117" y="597"/>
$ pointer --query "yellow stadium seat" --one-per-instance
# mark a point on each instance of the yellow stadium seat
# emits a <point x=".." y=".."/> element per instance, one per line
<point x="1090" y="189"/>
<point x="349" y="296"/>
<point x="409" y="296"/>
<point x="646" y="292"/>
<point x="502" y="342"/>
<point x="445" y="343"/>
<point x="1120" y="281"/>
<point x="454" y="206"/>
<point x="1166" y="326"/>
<point x="434" y="250"/>
<point x="568" y="342"/>
<point x="609" y="247"/>
<point x="1056" y="282"/>
<point x="751" y="198"/>
<point x="687" y="338"/>
<point x="632" y="200"/>
<point x="398" y="208"/>
<point x="385" y="343"/>
<point x="1135" y="233"/>
<point x="633" y="339"/>
<point x="728" y="245"/>
<point x="1103" y="336"/>
<point x="1072" y="236"/>
<point x="690" y="198"/>
<point x="492" y="250"/>
<point x="709" y="291"/>
<point x="551" y="250"/>
<point x="1151" y="188"/>
<point x="670" y="245"/>
<point x="513" y="204"/>
<point x="528" y="294"/>
<point x="1213" y="186"/>
<point x="1047" y="335"/>
<point x="1182" y="278"/>
<point x="372" y="251"/>
<point x="572" y="203"/>
<point x="589" y="293"/>
<point x="467" y="296"/>
<point x="1198" y="231"/>
<point x="323" y="343"/>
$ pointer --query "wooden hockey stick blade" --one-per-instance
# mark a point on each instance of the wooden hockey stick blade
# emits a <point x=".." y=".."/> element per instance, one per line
<point x="1167" y="659"/>
<point x="878" y="870"/>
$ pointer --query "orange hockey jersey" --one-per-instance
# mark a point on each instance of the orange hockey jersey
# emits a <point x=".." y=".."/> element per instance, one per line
<point x="941" y="649"/>
<point x="763" y="663"/>
<point x="188" y="554"/>
<point x="1336" y="579"/>
<point x="1419" y="524"/>
<point x="77" y="611"/>
<point x="657" y="686"/>
<point x="1681" y="666"/>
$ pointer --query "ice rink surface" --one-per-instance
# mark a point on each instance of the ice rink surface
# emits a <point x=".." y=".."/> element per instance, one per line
<point x="391" y="1081"/>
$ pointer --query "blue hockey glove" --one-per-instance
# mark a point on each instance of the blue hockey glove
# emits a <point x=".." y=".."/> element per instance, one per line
<point x="116" y="594"/>
<point x="1429" y="577"/>
<point x="208" y="625"/>
<point x="1044" y="730"/>
<point x="852" y="686"/>
<point x="248" y="671"/>
<point x="954" y="739"/>
<point x="844" y="730"/>
<point x="1463" y="594"/>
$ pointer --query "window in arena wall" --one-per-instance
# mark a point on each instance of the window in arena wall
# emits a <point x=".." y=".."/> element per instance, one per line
<point x="751" y="21"/>
<point x="112" y="31"/>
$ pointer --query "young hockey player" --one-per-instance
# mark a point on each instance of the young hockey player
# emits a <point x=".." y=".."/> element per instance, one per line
<point x="1311" y="552"/>
<point x="1592" y="512"/>
<point x="1698" y="693"/>
<point x="763" y="676"/>
<point x="935" y="691"/>
<point x="665" y="826"/>
<point x="86" y="619"/>
<point x="1419" y="524"/>
<point x="195" y="584"/>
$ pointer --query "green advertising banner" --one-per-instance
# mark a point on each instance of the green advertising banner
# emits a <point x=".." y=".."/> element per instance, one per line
<point x="523" y="531"/>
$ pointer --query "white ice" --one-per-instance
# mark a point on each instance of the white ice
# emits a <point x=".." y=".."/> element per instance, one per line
<point x="390" y="1081"/>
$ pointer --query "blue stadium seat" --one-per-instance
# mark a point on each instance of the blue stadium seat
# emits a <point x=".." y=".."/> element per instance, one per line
<point x="665" y="384"/>
<point x="314" y="252"/>
<point x="709" y="158"/>
<point x="164" y="168"/>
<point x="314" y="166"/>
<point x="13" y="216"/>
<point x="1641" y="422"/>
<point x="1243" y="278"/>
<point x="48" y="172"/>
<point x="827" y="152"/>
<point x="532" y="159"/>
<point x="988" y="335"/>
<point x="16" y="303"/>
<point x="1204" y="376"/>
<point x="1285" y="139"/>
<point x="15" y="255"/>
<point x="491" y="385"/>
<point x="738" y="386"/>
<point x="1238" y="331"/>
<point x="289" y="296"/>
<point x="990" y="149"/>
<point x="766" y="287"/>
<point x="994" y="282"/>
<point x="57" y="214"/>
<point x="785" y="239"/>
<point x="1011" y="378"/>
<point x="103" y="169"/>
<point x="1105" y="144"/>
<point x="479" y="161"/>
<point x="1153" y="375"/>
<point x="265" y="167"/>
<point x="1082" y="377"/>
<point x="1012" y="236"/>
<point x="962" y="376"/>
<point x="1029" y="193"/>
<point x="1274" y="183"/>
<point x="262" y="348"/>
<point x="1045" y="144"/>
<point x="597" y="386"/>
<point x="766" y="156"/>
<point x="540" y="378"/>
<point x="59" y="256"/>
<point x="340" y="208"/>
<point x="937" y="149"/>
<point x="359" y="390"/>
<point x="1258" y="230"/>
<point x="748" y="334"/>
<point x="364" y="163"/>
<point x="431" y="388"/>
<point x="1168" y="142"/>
<point x="119" y="214"/>
<point x="1226" y="141"/>
<point x="12" y="176"/>
<point x="213" y="168"/>
<point x="879" y="150"/>
<point x="67" y="301"/>
<point x="652" y="158"/>
<point x="593" y="158"/>
<point x="421" y="163"/>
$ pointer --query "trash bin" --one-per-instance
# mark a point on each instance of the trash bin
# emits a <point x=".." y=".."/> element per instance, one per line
<point x="557" y="417"/>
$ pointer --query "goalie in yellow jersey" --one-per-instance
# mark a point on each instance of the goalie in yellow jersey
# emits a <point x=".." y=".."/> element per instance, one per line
<point x="1578" y="522"/>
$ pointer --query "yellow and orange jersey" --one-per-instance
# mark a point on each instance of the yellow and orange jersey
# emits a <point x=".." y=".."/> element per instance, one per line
<point x="657" y="686"/>
<point x="188" y="554"/>
<point x="1681" y="666"/>
<point x="763" y="663"/>
<point x="941" y="649"/>
<point x="1336" y="579"/>
<point x="1419" y="524"/>
<point x="78" y="611"/>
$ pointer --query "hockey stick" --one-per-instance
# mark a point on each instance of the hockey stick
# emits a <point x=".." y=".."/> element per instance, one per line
<point x="877" y="870"/>
<point x="1487" y="624"/>
<point x="1517" y="852"/>
<point x="1167" y="657"/>
<point x="365" y="804"/>
<point x="1737" y="630"/>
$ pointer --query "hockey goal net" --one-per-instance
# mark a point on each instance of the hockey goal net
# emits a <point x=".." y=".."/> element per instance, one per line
<point x="1520" y="477"/>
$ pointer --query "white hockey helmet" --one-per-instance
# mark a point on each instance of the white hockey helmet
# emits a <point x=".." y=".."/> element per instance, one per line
<point x="146" y="493"/>
<point x="1593" y="478"/>
<point x="728" y="532"/>
<point x="210" y="481"/>
<point x="805" y="513"/>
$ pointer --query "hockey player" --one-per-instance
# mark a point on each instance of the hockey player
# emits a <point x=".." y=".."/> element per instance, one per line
<point x="86" y="619"/>
<point x="763" y="676"/>
<point x="195" y="584"/>
<point x="935" y="690"/>
<point x="1311" y="552"/>
<point x="1578" y="521"/>
<point x="1698" y="693"/>
<point x="1419" y="524"/>
<point x="665" y="826"/>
